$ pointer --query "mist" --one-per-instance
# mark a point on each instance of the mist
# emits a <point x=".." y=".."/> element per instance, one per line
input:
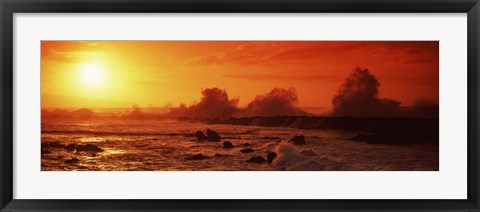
<point x="425" y="108"/>
<point x="358" y="96"/>
<point x="214" y="103"/>
<point x="277" y="102"/>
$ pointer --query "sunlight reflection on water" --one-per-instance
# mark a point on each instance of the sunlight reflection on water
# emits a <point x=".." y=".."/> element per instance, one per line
<point x="92" y="139"/>
<point x="113" y="152"/>
<point x="167" y="144"/>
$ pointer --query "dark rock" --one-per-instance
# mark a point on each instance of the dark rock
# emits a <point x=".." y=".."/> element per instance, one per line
<point x="52" y="145"/>
<point x="232" y="137"/>
<point x="385" y="130"/>
<point x="195" y="157"/>
<point x="218" y="155"/>
<point x="227" y="145"/>
<point x="271" y="138"/>
<point x="45" y="151"/>
<point x="257" y="159"/>
<point x="89" y="148"/>
<point x="70" y="161"/>
<point x="213" y="136"/>
<point x="246" y="144"/>
<point x="364" y="137"/>
<point x="308" y="153"/>
<point x="247" y="150"/>
<point x="271" y="156"/>
<point x="298" y="140"/>
<point x="393" y="138"/>
<point x="71" y="147"/>
<point x="200" y="136"/>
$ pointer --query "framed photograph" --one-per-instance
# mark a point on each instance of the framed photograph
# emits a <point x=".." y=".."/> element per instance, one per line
<point x="264" y="105"/>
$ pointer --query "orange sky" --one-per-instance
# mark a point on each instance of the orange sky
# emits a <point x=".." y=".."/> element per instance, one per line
<point x="159" y="73"/>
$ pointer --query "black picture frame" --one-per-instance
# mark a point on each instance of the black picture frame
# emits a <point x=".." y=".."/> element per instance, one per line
<point x="9" y="7"/>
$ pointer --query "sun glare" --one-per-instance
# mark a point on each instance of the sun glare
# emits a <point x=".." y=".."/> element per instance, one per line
<point x="91" y="74"/>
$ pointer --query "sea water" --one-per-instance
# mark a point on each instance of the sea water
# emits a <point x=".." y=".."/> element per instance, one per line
<point x="166" y="145"/>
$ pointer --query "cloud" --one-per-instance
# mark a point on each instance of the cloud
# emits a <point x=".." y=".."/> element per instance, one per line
<point x="256" y="53"/>
<point x="418" y="52"/>
<point x="69" y="51"/>
<point x="267" y="53"/>
<point x="287" y="77"/>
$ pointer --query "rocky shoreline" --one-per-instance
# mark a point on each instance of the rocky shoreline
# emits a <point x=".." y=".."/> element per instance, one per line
<point x="386" y="130"/>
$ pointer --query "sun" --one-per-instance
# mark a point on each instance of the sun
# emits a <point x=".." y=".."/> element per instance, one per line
<point x="91" y="74"/>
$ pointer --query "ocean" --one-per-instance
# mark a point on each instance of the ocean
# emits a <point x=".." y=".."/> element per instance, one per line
<point x="170" y="144"/>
